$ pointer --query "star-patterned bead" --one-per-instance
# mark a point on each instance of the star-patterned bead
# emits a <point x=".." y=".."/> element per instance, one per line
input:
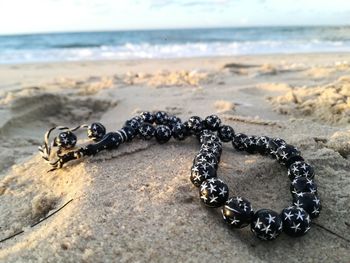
<point x="250" y="144"/>
<point x="296" y="221"/>
<point x="300" y="169"/>
<point x="212" y="122"/>
<point x="133" y="123"/>
<point x="96" y="131"/>
<point x="213" y="192"/>
<point x="205" y="135"/>
<point x="239" y="141"/>
<point x="173" y="120"/>
<point x="303" y="185"/>
<point x="266" y="224"/>
<point x="215" y="150"/>
<point x="161" y="117"/>
<point x="147" y="117"/>
<point x="147" y="131"/>
<point x="66" y="140"/>
<point x="226" y="133"/>
<point x="288" y="154"/>
<point x="237" y="212"/>
<point x="273" y="145"/>
<point x="262" y="144"/>
<point x="179" y="131"/>
<point x="201" y="172"/>
<point x="309" y="202"/>
<point x="195" y="124"/>
<point x="163" y="134"/>
<point x="208" y="158"/>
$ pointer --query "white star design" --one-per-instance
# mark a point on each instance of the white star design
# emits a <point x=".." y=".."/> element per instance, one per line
<point x="258" y="223"/>
<point x="204" y="166"/>
<point x="295" y="169"/>
<point x="212" y="188"/>
<point x="315" y="211"/>
<point x="206" y="174"/>
<point x="204" y="198"/>
<point x="197" y="177"/>
<point x="303" y="166"/>
<point x="204" y="186"/>
<point x="306" y="173"/>
<point x="299" y="215"/>
<point x="309" y="181"/>
<point x="295" y="227"/>
<point x="271" y="218"/>
<point x="234" y="221"/>
<point x="298" y="204"/>
<point x="307" y="229"/>
<point x="284" y="155"/>
<point x="316" y="200"/>
<point x="288" y="215"/>
<point x="213" y="199"/>
<point x="212" y="164"/>
<point x="239" y="199"/>
<point x="211" y="180"/>
<point x="266" y="228"/>
<point x="222" y="191"/>
<point x="273" y="235"/>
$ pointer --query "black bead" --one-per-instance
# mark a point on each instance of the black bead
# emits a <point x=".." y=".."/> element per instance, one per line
<point x="300" y="169"/>
<point x="309" y="202"/>
<point x="161" y="117"/>
<point x="239" y="141"/>
<point x="96" y="131"/>
<point x="303" y="185"/>
<point x="187" y="128"/>
<point x="66" y="140"/>
<point x="133" y="123"/>
<point x="213" y="192"/>
<point x="208" y="158"/>
<point x="296" y="221"/>
<point x="147" y="131"/>
<point x="262" y="145"/>
<point x="129" y="132"/>
<point x="250" y="144"/>
<point x="163" y="134"/>
<point x="266" y="224"/>
<point x="147" y="117"/>
<point x="273" y="146"/>
<point x="173" y="120"/>
<point x="288" y="154"/>
<point x="201" y="172"/>
<point x="237" y="212"/>
<point x="211" y="149"/>
<point x="179" y="132"/>
<point x="226" y="133"/>
<point x="195" y="124"/>
<point x="212" y="122"/>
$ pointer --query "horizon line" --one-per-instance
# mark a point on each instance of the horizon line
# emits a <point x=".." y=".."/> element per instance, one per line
<point x="170" y="28"/>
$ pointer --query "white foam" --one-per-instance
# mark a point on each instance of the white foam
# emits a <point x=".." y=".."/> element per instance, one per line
<point x="145" y="50"/>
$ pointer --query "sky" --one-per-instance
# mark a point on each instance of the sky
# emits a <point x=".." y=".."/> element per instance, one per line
<point x="34" y="16"/>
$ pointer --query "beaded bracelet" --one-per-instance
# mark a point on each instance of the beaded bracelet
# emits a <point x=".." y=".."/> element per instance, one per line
<point x="236" y="211"/>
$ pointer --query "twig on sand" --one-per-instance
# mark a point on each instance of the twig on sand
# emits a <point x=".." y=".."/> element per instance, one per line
<point x="37" y="223"/>
<point x="331" y="232"/>
<point x="253" y="121"/>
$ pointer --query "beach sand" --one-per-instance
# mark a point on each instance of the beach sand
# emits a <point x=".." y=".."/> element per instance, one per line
<point x="137" y="204"/>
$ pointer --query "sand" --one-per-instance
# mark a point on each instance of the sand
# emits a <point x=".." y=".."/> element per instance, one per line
<point x="136" y="204"/>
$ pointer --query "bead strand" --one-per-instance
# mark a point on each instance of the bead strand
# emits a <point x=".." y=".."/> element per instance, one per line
<point x="236" y="211"/>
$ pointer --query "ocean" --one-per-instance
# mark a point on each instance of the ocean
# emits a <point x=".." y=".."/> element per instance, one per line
<point x="171" y="43"/>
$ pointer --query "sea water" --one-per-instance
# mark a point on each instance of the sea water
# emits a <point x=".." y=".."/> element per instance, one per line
<point x="172" y="43"/>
